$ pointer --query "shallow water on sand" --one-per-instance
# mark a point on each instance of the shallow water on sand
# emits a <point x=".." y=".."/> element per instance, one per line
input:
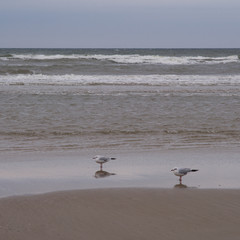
<point x="31" y="174"/>
<point x="118" y="118"/>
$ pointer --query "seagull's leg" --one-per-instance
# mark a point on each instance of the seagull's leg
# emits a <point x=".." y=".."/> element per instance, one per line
<point x="101" y="166"/>
<point x="180" y="179"/>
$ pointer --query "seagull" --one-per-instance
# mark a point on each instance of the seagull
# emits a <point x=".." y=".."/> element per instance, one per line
<point x="182" y="172"/>
<point x="101" y="159"/>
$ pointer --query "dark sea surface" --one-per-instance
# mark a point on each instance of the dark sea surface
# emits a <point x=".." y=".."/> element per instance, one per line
<point x="67" y="99"/>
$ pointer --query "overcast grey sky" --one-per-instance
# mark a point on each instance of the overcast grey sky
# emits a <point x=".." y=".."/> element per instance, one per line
<point x="120" y="23"/>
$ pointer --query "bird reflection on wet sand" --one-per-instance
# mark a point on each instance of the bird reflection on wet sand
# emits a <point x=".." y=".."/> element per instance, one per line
<point x="102" y="174"/>
<point x="180" y="185"/>
<point x="183" y="186"/>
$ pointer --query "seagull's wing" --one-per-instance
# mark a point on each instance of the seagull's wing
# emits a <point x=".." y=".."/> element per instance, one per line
<point x="102" y="158"/>
<point x="184" y="170"/>
<point x="105" y="159"/>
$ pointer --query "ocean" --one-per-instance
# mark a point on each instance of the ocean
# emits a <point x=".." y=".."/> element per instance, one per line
<point x="73" y="99"/>
<point x="152" y="109"/>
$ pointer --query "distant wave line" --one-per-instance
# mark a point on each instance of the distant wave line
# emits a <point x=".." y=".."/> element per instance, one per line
<point x="127" y="58"/>
<point x="161" y="132"/>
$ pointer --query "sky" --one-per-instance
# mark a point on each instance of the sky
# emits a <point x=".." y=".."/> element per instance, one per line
<point x="120" y="24"/>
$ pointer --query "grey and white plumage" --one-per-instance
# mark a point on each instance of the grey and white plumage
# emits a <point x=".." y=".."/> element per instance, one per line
<point x="180" y="172"/>
<point x="102" y="159"/>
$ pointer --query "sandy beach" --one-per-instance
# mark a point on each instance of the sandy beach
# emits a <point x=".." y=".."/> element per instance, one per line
<point x="152" y="110"/>
<point x="125" y="213"/>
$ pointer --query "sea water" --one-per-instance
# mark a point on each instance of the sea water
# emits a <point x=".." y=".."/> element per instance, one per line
<point x="60" y="99"/>
<point x="115" y="100"/>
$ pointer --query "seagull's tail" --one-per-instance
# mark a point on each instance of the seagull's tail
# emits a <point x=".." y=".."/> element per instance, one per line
<point x="113" y="158"/>
<point x="194" y="170"/>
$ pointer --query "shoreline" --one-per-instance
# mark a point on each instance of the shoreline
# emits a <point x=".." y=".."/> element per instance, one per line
<point x="34" y="173"/>
<point x="124" y="213"/>
<point x="117" y="189"/>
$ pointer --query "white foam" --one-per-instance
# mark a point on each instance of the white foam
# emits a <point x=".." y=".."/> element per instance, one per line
<point x="132" y="58"/>
<point x="153" y="80"/>
<point x="43" y="57"/>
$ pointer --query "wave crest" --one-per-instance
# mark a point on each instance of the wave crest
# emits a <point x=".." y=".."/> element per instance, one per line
<point x="127" y="58"/>
<point x="152" y="80"/>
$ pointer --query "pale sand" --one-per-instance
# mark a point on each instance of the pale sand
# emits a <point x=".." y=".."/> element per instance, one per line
<point x="124" y="214"/>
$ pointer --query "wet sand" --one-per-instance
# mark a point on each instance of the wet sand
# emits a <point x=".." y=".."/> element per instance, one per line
<point x="37" y="173"/>
<point x="126" y="213"/>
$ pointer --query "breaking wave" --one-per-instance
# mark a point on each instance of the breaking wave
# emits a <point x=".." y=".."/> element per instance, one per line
<point x="126" y="58"/>
<point x="152" y="80"/>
